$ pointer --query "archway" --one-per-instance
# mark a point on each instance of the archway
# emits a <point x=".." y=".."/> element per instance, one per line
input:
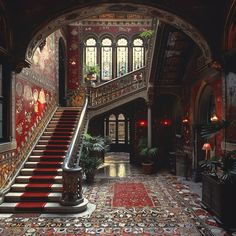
<point x="90" y="10"/>
<point x="62" y="73"/>
<point x="204" y="112"/>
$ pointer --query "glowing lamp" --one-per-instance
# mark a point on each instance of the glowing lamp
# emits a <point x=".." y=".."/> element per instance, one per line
<point x="166" y="122"/>
<point x="214" y="118"/>
<point x="142" y="123"/>
<point x="185" y="120"/>
<point x="207" y="148"/>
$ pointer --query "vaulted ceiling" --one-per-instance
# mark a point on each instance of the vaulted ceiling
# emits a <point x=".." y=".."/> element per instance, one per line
<point x="204" y="17"/>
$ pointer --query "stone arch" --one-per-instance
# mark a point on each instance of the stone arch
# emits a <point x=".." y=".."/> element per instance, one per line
<point x="83" y="12"/>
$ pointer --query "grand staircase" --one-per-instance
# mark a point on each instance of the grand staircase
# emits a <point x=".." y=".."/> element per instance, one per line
<point x="38" y="187"/>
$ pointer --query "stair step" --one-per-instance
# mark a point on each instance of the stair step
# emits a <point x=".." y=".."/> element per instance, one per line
<point x="57" y="129"/>
<point x="66" y="119"/>
<point x="61" y="122"/>
<point x="49" y="152"/>
<point x="39" y="179"/>
<point x="39" y="164"/>
<point x="62" y="115"/>
<point x="37" y="158"/>
<point x="51" y="147"/>
<point x="41" y="171"/>
<point x="32" y="197"/>
<point x="42" y="207"/>
<point x="57" y="137"/>
<point x="57" y="133"/>
<point x="36" y="187"/>
<point x="54" y="142"/>
<point x="55" y="126"/>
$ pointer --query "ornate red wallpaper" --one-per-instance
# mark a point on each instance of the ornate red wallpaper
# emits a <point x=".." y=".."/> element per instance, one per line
<point x="36" y="91"/>
<point x="77" y="34"/>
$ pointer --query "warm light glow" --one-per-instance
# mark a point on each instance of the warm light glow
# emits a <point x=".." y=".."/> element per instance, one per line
<point x="73" y="63"/>
<point x="206" y="146"/>
<point x="214" y="118"/>
<point x="185" y="120"/>
<point x="165" y="122"/>
<point x="142" y="123"/>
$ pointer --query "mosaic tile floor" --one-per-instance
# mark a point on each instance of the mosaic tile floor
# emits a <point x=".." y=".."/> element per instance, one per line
<point x="176" y="211"/>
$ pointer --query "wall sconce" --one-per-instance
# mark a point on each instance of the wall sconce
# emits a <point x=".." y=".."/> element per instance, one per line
<point x="142" y="123"/>
<point x="72" y="62"/>
<point x="214" y="118"/>
<point x="185" y="120"/>
<point x="207" y="148"/>
<point x="165" y="122"/>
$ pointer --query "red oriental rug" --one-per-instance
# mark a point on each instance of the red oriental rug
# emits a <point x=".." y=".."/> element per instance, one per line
<point x="131" y="195"/>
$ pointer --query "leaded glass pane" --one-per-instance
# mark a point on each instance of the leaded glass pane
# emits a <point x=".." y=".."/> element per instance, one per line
<point x="90" y="42"/>
<point x="106" y="65"/>
<point x="121" y="132"/>
<point x="138" y="54"/>
<point x="112" y="131"/>
<point x="122" y="57"/>
<point x="112" y="117"/>
<point x="121" y="117"/>
<point x="91" y="52"/>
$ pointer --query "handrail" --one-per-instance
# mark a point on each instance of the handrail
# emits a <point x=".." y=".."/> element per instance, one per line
<point x="71" y="171"/>
<point x="120" y="77"/>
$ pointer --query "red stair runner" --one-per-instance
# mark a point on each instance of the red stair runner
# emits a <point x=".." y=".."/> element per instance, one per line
<point x="43" y="168"/>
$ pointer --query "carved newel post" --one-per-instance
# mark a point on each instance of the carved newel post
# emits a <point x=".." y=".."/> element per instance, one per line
<point x="72" y="187"/>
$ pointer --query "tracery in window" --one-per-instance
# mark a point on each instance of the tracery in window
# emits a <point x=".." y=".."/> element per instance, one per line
<point x="138" y="53"/>
<point x="121" y="128"/>
<point x="112" y="128"/>
<point x="106" y="56"/>
<point x="91" y="52"/>
<point x="117" y="128"/>
<point x="122" y="57"/>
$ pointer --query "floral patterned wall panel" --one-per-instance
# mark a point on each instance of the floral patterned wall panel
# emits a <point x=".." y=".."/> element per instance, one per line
<point x="36" y="92"/>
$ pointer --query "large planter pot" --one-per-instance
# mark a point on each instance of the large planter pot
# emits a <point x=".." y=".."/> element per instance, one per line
<point x="147" y="168"/>
<point x="220" y="199"/>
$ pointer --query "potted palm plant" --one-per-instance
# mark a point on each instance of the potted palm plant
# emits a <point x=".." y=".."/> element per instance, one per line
<point x="219" y="180"/>
<point x="146" y="34"/>
<point x="91" y="71"/>
<point x="148" y="154"/>
<point x="91" y="158"/>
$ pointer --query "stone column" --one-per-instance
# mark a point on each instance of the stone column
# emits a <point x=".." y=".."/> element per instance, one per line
<point x="150" y="93"/>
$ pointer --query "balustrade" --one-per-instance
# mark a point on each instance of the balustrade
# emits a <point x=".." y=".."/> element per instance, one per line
<point x="72" y="172"/>
<point x="118" y="87"/>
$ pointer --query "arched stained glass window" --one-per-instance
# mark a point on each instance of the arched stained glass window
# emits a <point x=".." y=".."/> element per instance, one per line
<point x="117" y="128"/>
<point x="138" y="53"/>
<point x="122" y="57"/>
<point x="112" y="128"/>
<point x="91" y="52"/>
<point x="106" y="56"/>
<point x="121" y="128"/>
